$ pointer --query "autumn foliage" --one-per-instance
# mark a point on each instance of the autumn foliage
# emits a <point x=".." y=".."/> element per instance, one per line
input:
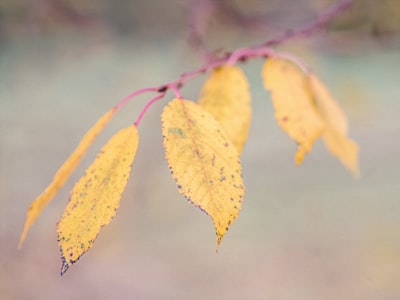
<point x="203" y="141"/>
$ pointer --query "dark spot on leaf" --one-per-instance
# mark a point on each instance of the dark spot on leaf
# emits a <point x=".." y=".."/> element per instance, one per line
<point x="177" y="131"/>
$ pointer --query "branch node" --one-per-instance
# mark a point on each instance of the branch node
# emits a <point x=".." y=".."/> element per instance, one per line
<point x="162" y="89"/>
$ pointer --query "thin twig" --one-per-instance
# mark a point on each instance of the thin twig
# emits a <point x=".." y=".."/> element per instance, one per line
<point x="241" y="54"/>
<point x="324" y="18"/>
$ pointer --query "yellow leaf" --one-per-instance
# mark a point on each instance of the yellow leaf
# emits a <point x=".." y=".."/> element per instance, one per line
<point x="225" y="95"/>
<point x="293" y="105"/>
<point x="336" y="128"/>
<point x="96" y="196"/>
<point x="203" y="161"/>
<point x="63" y="173"/>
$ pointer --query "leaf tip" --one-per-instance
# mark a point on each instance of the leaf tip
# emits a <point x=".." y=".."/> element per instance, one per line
<point x="218" y="243"/>
<point x="220" y="232"/>
<point x="299" y="158"/>
<point x="21" y="242"/>
<point x="355" y="170"/>
<point x="21" y="239"/>
<point x="24" y="233"/>
<point x="64" y="266"/>
<point x="354" y="165"/>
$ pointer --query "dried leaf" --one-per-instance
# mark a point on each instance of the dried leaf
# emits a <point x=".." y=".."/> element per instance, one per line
<point x="203" y="161"/>
<point x="63" y="173"/>
<point x="294" y="110"/>
<point x="225" y="95"/>
<point x="336" y="128"/>
<point x="96" y="196"/>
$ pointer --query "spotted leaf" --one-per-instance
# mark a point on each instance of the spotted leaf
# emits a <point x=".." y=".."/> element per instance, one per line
<point x="63" y="173"/>
<point x="204" y="162"/>
<point x="96" y="196"/>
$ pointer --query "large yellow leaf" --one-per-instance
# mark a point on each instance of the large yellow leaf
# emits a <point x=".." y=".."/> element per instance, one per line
<point x="225" y="95"/>
<point x="63" y="173"/>
<point x="96" y="196"/>
<point x="336" y="128"/>
<point x="294" y="110"/>
<point x="203" y="161"/>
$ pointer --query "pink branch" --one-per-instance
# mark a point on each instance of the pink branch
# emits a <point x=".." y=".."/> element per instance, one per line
<point x="242" y="54"/>
<point x="147" y="106"/>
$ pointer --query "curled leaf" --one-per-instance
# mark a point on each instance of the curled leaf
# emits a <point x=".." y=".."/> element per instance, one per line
<point x="305" y="109"/>
<point x="96" y="196"/>
<point x="203" y="161"/>
<point x="63" y="173"/>
<point x="336" y="127"/>
<point x="292" y="100"/>
<point x="225" y="94"/>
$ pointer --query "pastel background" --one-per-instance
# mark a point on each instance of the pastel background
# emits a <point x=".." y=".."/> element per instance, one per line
<point x="308" y="232"/>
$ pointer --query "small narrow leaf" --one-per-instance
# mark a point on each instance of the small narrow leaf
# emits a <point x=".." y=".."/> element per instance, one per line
<point x="96" y="196"/>
<point x="294" y="110"/>
<point x="63" y="173"/>
<point x="203" y="161"/>
<point x="336" y="128"/>
<point x="225" y="95"/>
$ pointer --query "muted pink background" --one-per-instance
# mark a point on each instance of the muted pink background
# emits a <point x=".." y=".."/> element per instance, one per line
<point x="309" y="232"/>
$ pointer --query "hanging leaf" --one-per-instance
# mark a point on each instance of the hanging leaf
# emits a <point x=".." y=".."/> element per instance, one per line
<point x="306" y="110"/>
<point x="336" y="128"/>
<point x="63" y="173"/>
<point x="96" y="196"/>
<point x="294" y="110"/>
<point x="203" y="161"/>
<point x="225" y="95"/>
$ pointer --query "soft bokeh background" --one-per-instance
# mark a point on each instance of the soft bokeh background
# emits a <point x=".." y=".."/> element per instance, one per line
<point x="309" y="232"/>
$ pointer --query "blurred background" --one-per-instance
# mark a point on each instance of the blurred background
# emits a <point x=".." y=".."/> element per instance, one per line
<point x="308" y="232"/>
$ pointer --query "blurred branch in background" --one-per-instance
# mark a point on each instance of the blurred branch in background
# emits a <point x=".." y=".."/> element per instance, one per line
<point x="356" y="21"/>
<point x="35" y="17"/>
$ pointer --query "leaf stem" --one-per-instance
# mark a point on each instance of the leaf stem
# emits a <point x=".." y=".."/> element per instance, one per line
<point x="294" y="59"/>
<point x="147" y="106"/>
<point x="175" y="89"/>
